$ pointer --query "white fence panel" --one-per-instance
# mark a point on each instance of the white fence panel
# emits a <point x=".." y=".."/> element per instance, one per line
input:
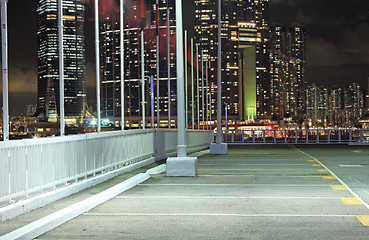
<point x="35" y="164"/>
<point x="296" y="136"/>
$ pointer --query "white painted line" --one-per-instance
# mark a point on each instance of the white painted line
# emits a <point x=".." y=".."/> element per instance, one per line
<point x="211" y="215"/>
<point x="344" y="165"/>
<point x="333" y="174"/>
<point x="238" y="184"/>
<point x="255" y="169"/>
<point x="221" y="197"/>
<point x="55" y="219"/>
<point x="244" y="164"/>
<point x="263" y="176"/>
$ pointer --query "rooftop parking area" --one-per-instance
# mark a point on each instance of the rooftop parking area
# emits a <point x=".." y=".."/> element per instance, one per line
<point x="254" y="192"/>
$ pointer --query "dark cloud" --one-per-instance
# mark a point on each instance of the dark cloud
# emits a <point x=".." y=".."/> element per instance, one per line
<point x="337" y="37"/>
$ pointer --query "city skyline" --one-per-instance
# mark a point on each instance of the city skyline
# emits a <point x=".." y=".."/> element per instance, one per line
<point x="336" y="41"/>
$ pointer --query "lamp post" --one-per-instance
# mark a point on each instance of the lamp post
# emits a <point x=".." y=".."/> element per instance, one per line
<point x="152" y="101"/>
<point x="207" y="94"/>
<point x="61" y="68"/>
<point x="169" y="90"/>
<point x="143" y="79"/>
<point x="4" y="49"/>
<point x="198" y="88"/>
<point x="219" y="147"/>
<point x="202" y="90"/>
<point x="182" y="165"/>
<point x="97" y="53"/>
<point x="192" y="88"/>
<point x="122" y="63"/>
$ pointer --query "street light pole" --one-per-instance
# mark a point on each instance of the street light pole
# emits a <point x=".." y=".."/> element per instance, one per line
<point x="169" y="97"/>
<point x="192" y="88"/>
<point x="207" y="94"/>
<point x="4" y="39"/>
<point x="186" y="79"/>
<point x="202" y="89"/>
<point x="182" y="165"/>
<point x="97" y="51"/>
<point x="122" y="64"/>
<point x="198" y="88"/>
<point x="210" y="100"/>
<point x="143" y="79"/>
<point x="152" y="101"/>
<point x="157" y="67"/>
<point x="157" y="83"/>
<point x="219" y="147"/>
<point x="61" y="68"/>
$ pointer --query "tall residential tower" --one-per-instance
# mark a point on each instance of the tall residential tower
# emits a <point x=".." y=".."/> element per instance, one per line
<point x="288" y="60"/>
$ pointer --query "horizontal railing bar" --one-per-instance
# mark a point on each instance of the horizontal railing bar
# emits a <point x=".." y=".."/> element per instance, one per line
<point x="105" y="160"/>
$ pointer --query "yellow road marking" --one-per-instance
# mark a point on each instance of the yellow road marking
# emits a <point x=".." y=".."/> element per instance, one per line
<point x="364" y="220"/>
<point x="321" y="170"/>
<point x="339" y="188"/>
<point x="311" y="160"/>
<point x="351" y="201"/>
<point x="329" y="177"/>
<point x="316" y="165"/>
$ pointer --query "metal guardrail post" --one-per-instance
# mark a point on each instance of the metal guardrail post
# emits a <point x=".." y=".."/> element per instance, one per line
<point x="264" y="140"/>
<point x="296" y="135"/>
<point x="285" y="136"/>
<point x="253" y="136"/>
<point x="307" y="136"/>
<point x="317" y="136"/>
<point x="232" y="137"/>
<point x="361" y="135"/>
<point x="243" y="136"/>
<point x="329" y="136"/>
<point x="350" y="135"/>
<point x="275" y="137"/>
<point x="339" y="135"/>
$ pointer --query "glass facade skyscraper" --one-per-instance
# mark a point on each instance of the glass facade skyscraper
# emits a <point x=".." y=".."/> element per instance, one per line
<point x="48" y="60"/>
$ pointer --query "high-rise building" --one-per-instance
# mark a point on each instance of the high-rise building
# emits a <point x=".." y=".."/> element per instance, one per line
<point x="48" y="60"/>
<point x="335" y="107"/>
<point x="140" y="16"/>
<point x="353" y="103"/>
<point x="298" y="57"/>
<point x="245" y="54"/>
<point x="288" y="59"/>
<point x="317" y="103"/>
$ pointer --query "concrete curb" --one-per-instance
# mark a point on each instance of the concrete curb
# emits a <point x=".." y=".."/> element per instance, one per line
<point x="54" y="220"/>
<point x="157" y="170"/>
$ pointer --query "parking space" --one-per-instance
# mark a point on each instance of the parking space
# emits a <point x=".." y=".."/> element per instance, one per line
<point x="254" y="192"/>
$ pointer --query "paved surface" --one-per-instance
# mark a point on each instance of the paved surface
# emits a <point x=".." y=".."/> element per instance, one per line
<point x="254" y="192"/>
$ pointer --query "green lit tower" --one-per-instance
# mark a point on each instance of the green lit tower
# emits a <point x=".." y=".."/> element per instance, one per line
<point x="245" y="54"/>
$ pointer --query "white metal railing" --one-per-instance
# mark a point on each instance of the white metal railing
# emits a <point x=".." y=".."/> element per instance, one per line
<point x="32" y="165"/>
<point x="297" y="136"/>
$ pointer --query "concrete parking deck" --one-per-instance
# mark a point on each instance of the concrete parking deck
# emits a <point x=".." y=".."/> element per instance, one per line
<point x="254" y="192"/>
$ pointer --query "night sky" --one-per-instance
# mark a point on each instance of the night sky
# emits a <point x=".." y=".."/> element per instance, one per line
<point x="337" y="43"/>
